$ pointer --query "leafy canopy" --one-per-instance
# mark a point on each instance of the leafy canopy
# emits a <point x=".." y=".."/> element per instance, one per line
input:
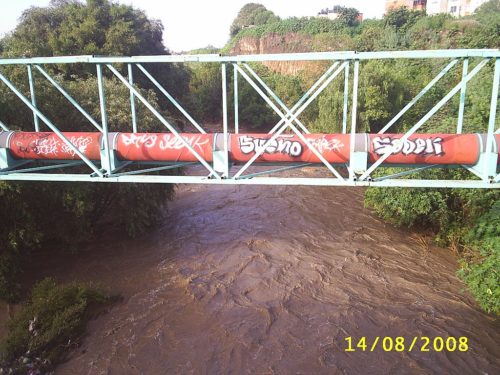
<point x="98" y="27"/>
<point x="252" y="14"/>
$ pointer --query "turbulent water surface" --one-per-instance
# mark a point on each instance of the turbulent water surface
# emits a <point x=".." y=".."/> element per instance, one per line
<point x="271" y="280"/>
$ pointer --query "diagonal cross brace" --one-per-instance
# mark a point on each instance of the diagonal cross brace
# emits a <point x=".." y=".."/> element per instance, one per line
<point x="308" y="93"/>
<point x="50" y="125"/>
<point x="171" y="98"/>
<point x="163" y="121"/>
<point x="424" y="119"/>
<point x="288" y="122"/>
<point x="3" y="126"/>
<point x="69" y="97"/>
<point x="441" y="74"/>
<point x="275" y="97"/>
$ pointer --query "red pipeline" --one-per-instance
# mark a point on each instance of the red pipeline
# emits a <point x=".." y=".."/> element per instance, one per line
<point x="449" y="149"/>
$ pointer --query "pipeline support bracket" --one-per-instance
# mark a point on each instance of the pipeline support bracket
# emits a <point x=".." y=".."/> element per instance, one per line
<point x="220" y="161"/>
<point x="111" y="164"/>
<point x="6" y="160"/>
<point x="359" y="157"/>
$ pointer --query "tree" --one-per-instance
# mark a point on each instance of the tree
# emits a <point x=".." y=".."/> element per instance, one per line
<point x="252" y="14"/>
<point x="205" y="91"/>
<point x="349" y="16"/>
<point x="99" y="27"/>
<point x="402" y="18"/>
<point x="489" y="7"/>
<point x="69" y="27"/>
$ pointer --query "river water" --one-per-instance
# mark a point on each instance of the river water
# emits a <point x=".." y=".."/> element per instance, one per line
<point x="271" y="280"/>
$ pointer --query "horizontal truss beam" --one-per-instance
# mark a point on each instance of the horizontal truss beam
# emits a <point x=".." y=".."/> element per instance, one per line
<point x="313" y="56"/>
<point x="461" y="184"/>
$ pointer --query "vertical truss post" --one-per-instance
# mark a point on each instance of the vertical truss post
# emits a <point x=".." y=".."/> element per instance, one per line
<point x="462" y="96"/>
<point x="106" y="158"/>
<point x="236" y="110"/>
<point x="346" y="98"/>
<point x="132" y="99"/>
<point x="353" y="157"/>
<point x="490" y="166"/>
<point x="6" y="159"/>
<point x="33" y="97"/>
<point x="224" y="121"/>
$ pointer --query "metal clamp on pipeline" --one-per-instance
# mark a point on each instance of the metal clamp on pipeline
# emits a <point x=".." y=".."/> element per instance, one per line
<point x="6" y="159"/>
<point x="221" y="162"/>
<point x="109" y="162"/>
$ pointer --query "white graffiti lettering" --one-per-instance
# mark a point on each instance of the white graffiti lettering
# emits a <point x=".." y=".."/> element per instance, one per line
<point x="45" y="146"/>
<point x="323" y="144"/>
<point x="418" y="146"/>
<point x="171" y="142"/>
<point x="139" y="140"/>
<point x="164" y="142"/>
<point x="280" y="145"/>
<point x="81" y="143"/>
<point x="287" y="146"/>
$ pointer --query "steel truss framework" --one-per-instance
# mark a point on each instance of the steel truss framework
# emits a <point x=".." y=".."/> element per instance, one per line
<point x="484" y="174"/>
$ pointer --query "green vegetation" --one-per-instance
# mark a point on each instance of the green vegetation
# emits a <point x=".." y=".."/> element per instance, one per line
<point x="447" y="213"/>
<point x="98" y="27"/>
<point x="58" y="215"/>
<point x="482" y="271"/>
<point x="50" y="324"/>
<point x="250" y="15"/>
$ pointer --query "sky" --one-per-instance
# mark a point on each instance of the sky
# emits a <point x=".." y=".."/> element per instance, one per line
<point x="191" y="24"/>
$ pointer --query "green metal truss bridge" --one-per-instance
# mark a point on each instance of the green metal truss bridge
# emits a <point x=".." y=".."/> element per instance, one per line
<point x="350" y="158"/>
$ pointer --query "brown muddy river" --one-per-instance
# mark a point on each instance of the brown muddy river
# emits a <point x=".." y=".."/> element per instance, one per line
<point x="271" y="280"/>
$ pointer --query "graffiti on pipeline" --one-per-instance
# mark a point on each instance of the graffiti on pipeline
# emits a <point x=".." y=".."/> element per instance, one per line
<point x="164" y="141"/>
<point x="47" y="144"/>
<point x="286" y="145"/>
<point x="417" y="146"/>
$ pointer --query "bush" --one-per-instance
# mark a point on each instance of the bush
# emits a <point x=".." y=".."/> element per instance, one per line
<point x="51" y="323"/>
<point x="483" y="276"/>
<point x="464" y="219"/>
<point x="448" y="213"/>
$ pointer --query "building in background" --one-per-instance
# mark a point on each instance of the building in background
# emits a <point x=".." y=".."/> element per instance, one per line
<point x="437" y="6"/>
<point x="457" y="8"/>
<point x="410" y="4"/>
<point x="334" y="13"/>
<point x="419" y="4"/>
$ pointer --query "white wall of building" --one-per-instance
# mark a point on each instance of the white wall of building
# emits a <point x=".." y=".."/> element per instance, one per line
<point x="474" y="4"/>
<point x="457" y="8"/>
<point x="437" y="6"/>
